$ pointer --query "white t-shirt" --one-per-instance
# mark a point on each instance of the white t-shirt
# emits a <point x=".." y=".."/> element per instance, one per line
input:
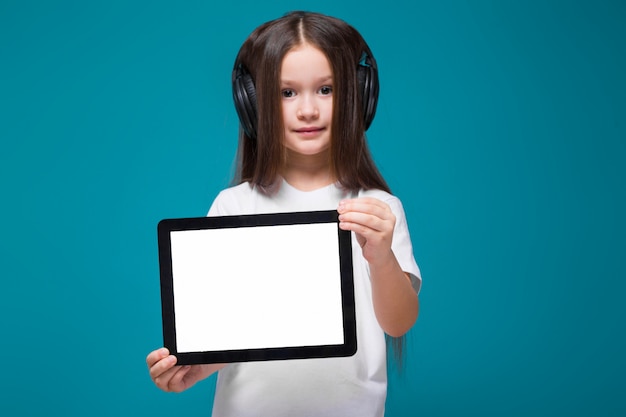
<point x="352" y="386"/>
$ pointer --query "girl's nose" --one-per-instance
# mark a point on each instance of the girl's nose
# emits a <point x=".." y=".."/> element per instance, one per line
<point x="308" y="108"/>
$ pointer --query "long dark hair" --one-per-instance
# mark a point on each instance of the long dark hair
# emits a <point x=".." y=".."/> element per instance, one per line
<point x="260" y="158"/>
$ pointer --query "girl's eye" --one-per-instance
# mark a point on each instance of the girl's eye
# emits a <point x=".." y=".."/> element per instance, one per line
<point x="326" y="90"/>
<point x="287" y="93"/>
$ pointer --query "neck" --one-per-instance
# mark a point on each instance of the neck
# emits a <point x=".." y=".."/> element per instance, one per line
<point x="306" y="172"/>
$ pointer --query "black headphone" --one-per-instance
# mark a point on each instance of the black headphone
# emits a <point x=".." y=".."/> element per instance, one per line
<point x="244" y="93"/>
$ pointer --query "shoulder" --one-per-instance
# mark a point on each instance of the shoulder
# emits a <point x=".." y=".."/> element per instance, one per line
<point x="245" y="188"/>
<point x="231" y="200"/>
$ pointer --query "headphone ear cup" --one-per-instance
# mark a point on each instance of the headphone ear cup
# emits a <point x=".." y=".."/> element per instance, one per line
<point x="244" y="96"/>
<point x="368" y="85"/>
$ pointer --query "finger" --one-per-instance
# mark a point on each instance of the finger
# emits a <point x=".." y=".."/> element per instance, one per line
<point x="163" y="379"/>
<point x="162" y="367"/>
<point x="364" y="220"/>
<point x="369" y="206"/>
<point x="364" y="223"/>
<point x="176" y="382"/>
<point x="362" y="231"/>
<point x="156" y="355"/>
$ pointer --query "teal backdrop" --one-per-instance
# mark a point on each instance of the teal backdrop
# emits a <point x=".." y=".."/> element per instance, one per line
<point x="501" y="126"/>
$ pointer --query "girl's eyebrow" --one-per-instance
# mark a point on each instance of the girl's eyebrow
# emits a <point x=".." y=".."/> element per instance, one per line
<point x="321" y="80"/>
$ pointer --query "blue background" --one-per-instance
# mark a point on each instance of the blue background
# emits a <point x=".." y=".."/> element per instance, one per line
<point x="501" y="126"/>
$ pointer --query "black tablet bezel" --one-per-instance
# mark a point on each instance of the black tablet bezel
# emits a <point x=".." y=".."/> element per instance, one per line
<point x="166" y="226"/>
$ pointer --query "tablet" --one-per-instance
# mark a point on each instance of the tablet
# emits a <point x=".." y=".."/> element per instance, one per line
<point x="256" y="287"/>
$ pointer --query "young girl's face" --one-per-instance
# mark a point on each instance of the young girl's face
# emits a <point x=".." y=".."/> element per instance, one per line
<point x="307" y="100"/>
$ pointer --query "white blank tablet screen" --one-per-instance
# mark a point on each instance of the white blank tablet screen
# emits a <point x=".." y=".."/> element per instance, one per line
<point x="257" y="287"/>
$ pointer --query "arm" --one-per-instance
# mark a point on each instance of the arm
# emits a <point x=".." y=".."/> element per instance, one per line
<point x="171" y="378"/>
<point x="395" y="302"/>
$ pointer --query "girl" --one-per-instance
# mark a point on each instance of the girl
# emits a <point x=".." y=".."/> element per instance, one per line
<point x="305" y="87"/>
